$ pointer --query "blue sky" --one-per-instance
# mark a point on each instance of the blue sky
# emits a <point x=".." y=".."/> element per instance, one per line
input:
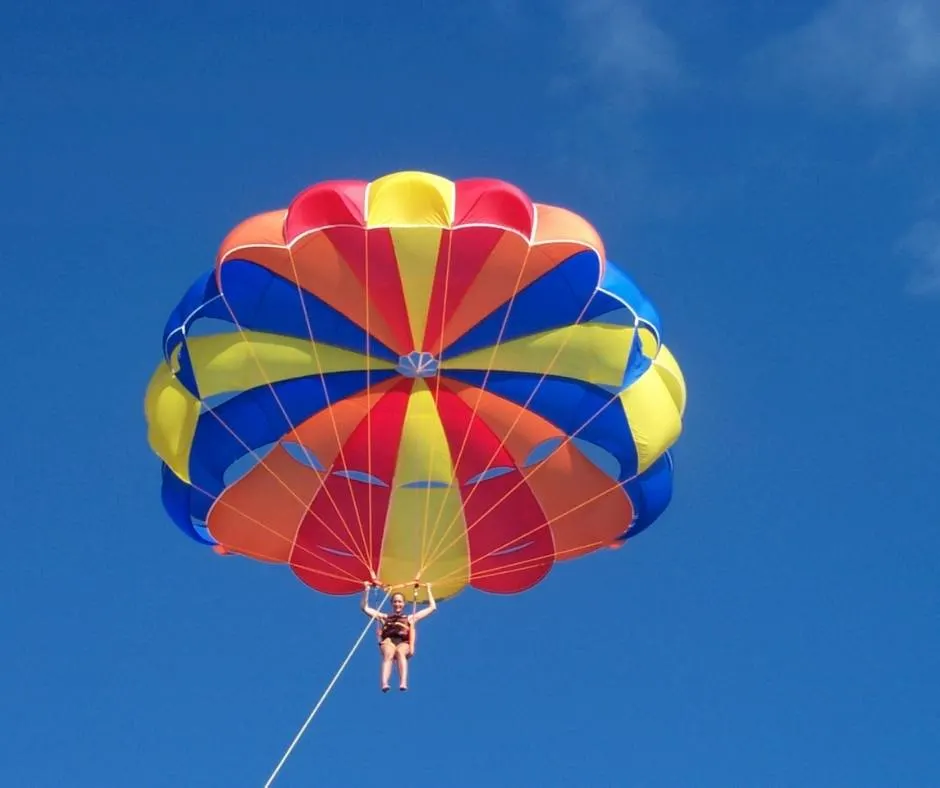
<point x="769" y="174"/>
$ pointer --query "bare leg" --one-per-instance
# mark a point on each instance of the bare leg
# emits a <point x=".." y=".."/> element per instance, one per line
<point x="403" y="653"/>
<point x="388" y="653"/>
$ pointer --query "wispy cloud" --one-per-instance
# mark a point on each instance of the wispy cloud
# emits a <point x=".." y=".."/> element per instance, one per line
<point x="620" y="50"/>
<point x="612" y="64"/>
<point x="921" y="246"/>
<point x="879" y="53"/>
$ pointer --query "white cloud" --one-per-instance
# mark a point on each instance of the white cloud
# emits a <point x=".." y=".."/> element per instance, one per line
<point x="922" y="246"/>
<point x="621" y="51"/>
<point x="877" y="52"/>
<point x="608" y="62"/>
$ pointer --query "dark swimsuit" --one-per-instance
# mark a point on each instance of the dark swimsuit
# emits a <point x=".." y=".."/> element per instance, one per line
<point x="396" y="628"/>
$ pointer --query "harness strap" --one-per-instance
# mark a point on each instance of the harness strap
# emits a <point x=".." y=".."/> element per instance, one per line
<point x="413" y="629"/>
<point x="412" y="625"/>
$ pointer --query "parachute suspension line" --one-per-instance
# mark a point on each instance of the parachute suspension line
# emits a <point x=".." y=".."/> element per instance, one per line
<point x="534" y="561"/>
<point x="344" y="574"/>
<point x="378" y="623"/>
<point x="262" y="464"/>
<point x="328" y="407"/>
<point x="241" y="330"/>
<point x="412" y="630"/>
<point x="530" y="472"/>
<point x="434" y="546"/>
<point x="525" y="563"/>
<point x="437" y="398"/>
<point x="320" y="702"/>
<point x="441" y="547"/>
<point x="373" y="564"/>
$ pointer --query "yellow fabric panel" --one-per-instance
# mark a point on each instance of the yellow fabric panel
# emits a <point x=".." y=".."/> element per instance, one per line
<point x="592" y="352"/>
<point x="402" y="559"/>
<point x="410" y="198"/>
<point x="648" y="343"/>
<point x="654" y="419"/>
<point x="416" y="251"/>
<point x="672" y="376"/>
<point x="237" y="362"/>
<point x="171" y="413"/>
<point x="424" y="454"/>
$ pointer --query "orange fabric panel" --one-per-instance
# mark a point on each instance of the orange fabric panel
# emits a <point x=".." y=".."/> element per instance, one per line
<point x="465" y="252"/>
<point x="259" y="515"/>
<point x="556" y="224"/>
<point x="493" y="286"/>
<point x="586" y="510"/>
<point x="513" y="265"/>
<point x="518" y="430"/>
<point x="326" y="431"/>
<point x="265" y="229"/>
<point x="322" y="270"/>
<point x="279" y="498"/>
<point x="314" y="263"/>
<point x="584" y="507"/>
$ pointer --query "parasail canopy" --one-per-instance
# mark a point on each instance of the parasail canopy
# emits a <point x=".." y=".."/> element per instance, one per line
<point x="415" y="379"/>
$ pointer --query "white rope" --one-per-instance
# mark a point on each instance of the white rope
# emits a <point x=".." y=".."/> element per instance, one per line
<point x="322" y="698"/>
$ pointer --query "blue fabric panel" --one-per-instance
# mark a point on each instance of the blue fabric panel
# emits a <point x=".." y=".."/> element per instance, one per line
<point x="607" y="308"/>
<point x="601" y="459"/>
<point x="257" y="417"/>
<point x="176" y="496"/>
<point x="541" y="452"/>
<point x="361" y="476"/>
<point x="551" y="301"/>
<point x="637" y="365"/>
<point x="568" y="404"/>
<point x="199" y="301"/>
<point x="262" y="301"/>
<point x="303" y="455"/>
<point x="651" y="493"/>
<point x="493" y="472"/>
<point x="617" y="282"/>
<point x="186" y="374"/>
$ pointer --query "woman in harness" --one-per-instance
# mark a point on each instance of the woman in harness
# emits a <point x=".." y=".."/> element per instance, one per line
<point x="396" y="634"/>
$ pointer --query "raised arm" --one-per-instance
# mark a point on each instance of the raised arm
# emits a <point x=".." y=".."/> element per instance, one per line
<point x="425" y="612"/>
<point x="370" y="611"/>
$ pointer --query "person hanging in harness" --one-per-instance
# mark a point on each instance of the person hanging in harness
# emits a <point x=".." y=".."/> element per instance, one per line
<point x="396" y="632"/>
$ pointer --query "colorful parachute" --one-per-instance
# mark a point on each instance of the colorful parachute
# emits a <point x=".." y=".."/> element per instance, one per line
<point x="415" y="378"/>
